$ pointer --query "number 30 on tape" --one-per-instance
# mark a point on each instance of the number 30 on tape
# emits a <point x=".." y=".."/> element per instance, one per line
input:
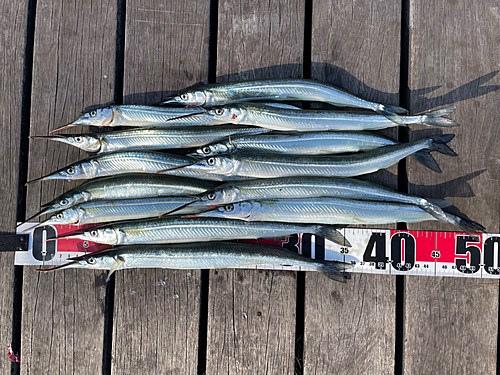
<point x="424" y="253"/>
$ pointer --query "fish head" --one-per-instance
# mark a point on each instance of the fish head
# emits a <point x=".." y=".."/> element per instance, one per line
<point x="96" y="117"/>
<point x="220" y="196"/>
<point x="213" y="149"/>
<point x="66" y="201"/>
<point x="232" y="115"/>
<point x="216" y="164"/>
<point x="191" y="98"/>
<point x="241" y="210"/>
<point x="81" y="170"/>
<point x="68" y="216"/>
<point x="85" y="142"/>
<point x="107" y="236"/>
<point x="94" y="261"/>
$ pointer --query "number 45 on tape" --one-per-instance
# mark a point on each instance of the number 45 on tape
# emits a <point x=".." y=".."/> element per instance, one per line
<point x="423" y="253"/>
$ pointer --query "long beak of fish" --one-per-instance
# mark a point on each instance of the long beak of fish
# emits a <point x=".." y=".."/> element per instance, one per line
<point x="186" y="116"/>
<point x="75" y="236"/>
<point x="43" y="211"/>
<point x="52" y="176"/>
<point x="67" y="265"/>
<point x="58" y="138"/>
<point x="175" y="168"/>
<point x="78" y="122"/>
<point x="195" y="199"/>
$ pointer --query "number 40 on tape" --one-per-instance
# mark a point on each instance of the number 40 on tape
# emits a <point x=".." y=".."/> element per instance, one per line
<point x="424" y="253"/>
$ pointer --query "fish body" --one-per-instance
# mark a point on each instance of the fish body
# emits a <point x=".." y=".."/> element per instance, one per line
<point x="202" y="256"/>
<point x="119" y="210"/>
<point x="261" y="165"/>
<point x="313" y="187"/>
<point x="153" y="138"/>
<point x="284" y="119"/>
<point x="181" y="230"/>
<point x="280" y="89"/>
<point x="304" y="143"/>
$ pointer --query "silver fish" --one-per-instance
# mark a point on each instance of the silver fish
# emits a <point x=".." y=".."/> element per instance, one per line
<point x="319" y="120"/>
<point x="201" y="256"/>
<point x="306" y="143"/>
<point x="140" y="115"/>
<point x="332" y="210"/>
<point x="120" y="209"/>
<point x="127" y="187"/>
<point x="280" y="89"/>
<point x="179" y="230"/>
<point x="152" y="138"/>
<point x="313" y="187"/>
<point x="124" y="162"/>
<point x="260" y="165"/>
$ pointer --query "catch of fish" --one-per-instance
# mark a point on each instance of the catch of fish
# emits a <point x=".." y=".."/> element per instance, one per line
<point x="244" y="165"/>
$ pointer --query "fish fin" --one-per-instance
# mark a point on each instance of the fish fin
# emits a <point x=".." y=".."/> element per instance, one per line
<point x="335" y="270"/>
<point x="468" y="226"/>
<point x="331" y="233"/>
<point x="392" y="113"/>
<point x="118" y="262"/>
<point x="426" y="159"/>
<point x="437" y="118"/>
<point x="439" y="144"/>
<point x="441" y="203"/>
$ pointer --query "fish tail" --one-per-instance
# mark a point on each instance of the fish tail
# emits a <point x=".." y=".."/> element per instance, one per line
<point x="468" y="226"/>
<point x="392" y="113"/>
<point x="331" y="233"/>
<point x="439" y="144"/>
<point x="438" y="118"/>
<point x="434" y="144"/>
<point x="334" y="270"/>
<point x="426" y="159"/>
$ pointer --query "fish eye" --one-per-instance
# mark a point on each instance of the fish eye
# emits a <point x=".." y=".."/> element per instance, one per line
<point x="184" y="96"/>
<point x="206" y="150"/>
<point x="78" y="139"/>
<point x="93" y="113"/>
<point x="211" y="161"/>
<point x="59" y="216"/>
<point x="93" y="233"/>
<point x="91" y="261"/>
<point x="219" y="111"/>
<point x="229" y="208"/>
<point x="211" y="196"/>
<point x="63" y="202"/>
<point x="71" y="170"/>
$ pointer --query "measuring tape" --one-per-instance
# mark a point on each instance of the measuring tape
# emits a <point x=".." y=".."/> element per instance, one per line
<point x="374" y="251"/>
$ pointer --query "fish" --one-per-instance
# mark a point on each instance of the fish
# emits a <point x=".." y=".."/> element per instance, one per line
<point x="140" y="116"/>
<point x="190" y="256"/>
<point x="313" y="187"/>
<point x="280" y="89"/>
<point x="261" y="165"/>
<point x="283" y="119"/>
<point x="119" y="210"/>
<point x="295" y="143"/>
<point x="180" y="230"/>
<point x="124" y="162"/>
<point x="327" y="210"/>
<point x="127" y="186"/>
<point x="152" y="138"/>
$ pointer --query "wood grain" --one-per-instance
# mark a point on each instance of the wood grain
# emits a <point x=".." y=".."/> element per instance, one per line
<point x="251" y="325"/>
<point x="155" y="330"/>
<point x="256" y="40"/>
<point x="350" y="327"/>
<point x="73" y="67"/>
<point x="12" y="23"/>
<point x="460" y="60"/>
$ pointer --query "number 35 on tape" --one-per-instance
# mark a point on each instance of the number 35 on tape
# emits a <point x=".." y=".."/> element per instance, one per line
<point x="423" y="253"/>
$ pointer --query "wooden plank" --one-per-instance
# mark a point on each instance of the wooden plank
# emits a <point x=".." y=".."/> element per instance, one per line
<point x="73" y="67"/>
<point x="251" y="322"/>
<point x="350" y="328"/>
<point x="256" y="40"/>
<point x="452" y="324"/>
<point x="156" y="329"/>
<point x="12" y="22"/>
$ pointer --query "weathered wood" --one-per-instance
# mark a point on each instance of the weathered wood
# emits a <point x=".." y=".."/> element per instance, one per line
<point x="155" y="330"/>
<point x="350" y="328"/>
<point x="444" y="317"/>
<point x="156" y="322"/>
<point x="251" y="326"/>
<point x="73" y="67"/>
<point x="12" y="22"/>
<point x="256" y="40"/>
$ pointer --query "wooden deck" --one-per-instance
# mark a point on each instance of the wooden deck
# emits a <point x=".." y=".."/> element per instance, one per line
<point x="59" y="57"/>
